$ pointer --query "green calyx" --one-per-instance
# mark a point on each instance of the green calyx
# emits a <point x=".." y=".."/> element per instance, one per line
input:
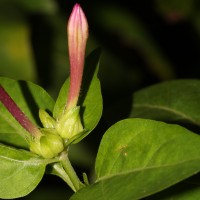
<point x="48" y="145"/>
<point x="57" y="133"/>
<point x="46" y="119"/>
<point x="69" y="125"/>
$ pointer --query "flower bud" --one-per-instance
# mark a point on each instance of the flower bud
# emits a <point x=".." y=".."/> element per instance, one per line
<point x="69" y="124"/>
<point x="46" y="119"/>
<point x="77" y="30"/>
<point x="49" y="145"/>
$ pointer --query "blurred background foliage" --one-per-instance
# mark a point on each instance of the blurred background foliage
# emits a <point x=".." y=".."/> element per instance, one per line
<point x="143" y="42"/>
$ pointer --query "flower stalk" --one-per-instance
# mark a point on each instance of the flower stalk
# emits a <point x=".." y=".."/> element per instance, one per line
<point x="75" y="181"/>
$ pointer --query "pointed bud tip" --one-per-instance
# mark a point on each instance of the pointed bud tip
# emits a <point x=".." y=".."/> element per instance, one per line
<point x="77" y="7"/>
<point x="77" y="14"/>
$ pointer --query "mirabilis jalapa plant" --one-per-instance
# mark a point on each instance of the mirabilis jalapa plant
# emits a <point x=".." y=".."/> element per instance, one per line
<point x="137" y="157"/>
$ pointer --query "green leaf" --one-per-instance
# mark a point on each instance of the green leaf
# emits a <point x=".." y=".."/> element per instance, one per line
<point x="174" y="101"/>
<point x="139" y="157"/>
<point x="29" y="97"/>
<point x="20" y="172"/>
<point x="90" y="98"/>
<point x="181" y="191"/>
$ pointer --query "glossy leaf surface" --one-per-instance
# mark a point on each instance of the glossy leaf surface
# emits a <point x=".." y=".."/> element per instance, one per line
<point x="139" y="157"/>
<point x="174" y="101"/>
<point x="21" y="171"/>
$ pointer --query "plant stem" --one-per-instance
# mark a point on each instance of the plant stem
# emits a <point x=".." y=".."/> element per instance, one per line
<point x="59" y="171"/>
<point x="77" y="184"/>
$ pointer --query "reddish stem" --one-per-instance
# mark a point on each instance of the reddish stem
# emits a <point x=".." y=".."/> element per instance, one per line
<point x="17" y="113"/>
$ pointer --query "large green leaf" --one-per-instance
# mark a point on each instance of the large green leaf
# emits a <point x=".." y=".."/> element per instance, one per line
<point x="20" y="172"/>
<point x="90" y="98"/>
<point x="176" y="101"/>
<point x="139" y="157"/>
<point x="29" y="97"/>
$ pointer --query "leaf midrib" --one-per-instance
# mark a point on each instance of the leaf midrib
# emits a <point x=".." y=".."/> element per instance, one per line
<point x="176" y="112"/>
<point x="145" y="168"/>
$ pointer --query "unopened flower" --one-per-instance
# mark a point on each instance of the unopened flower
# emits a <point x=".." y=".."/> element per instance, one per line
<point x="69" y="125"/>
<point x="49" y="145"/>
<point x="77" y="30"/>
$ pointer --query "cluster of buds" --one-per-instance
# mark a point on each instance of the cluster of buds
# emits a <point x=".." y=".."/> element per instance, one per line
<point x="50" y="140"/>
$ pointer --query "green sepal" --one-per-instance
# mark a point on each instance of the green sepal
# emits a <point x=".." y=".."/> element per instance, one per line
<point x="46" y="119"/>
<point x="49" y="145"/>
<point x="76" y="138"/>
<point x="69" y="124"/>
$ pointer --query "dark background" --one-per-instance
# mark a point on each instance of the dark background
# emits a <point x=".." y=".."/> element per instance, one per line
<point x="143" y="43"/>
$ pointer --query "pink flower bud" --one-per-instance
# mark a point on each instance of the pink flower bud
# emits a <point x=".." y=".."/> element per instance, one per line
<point x="77" y="37"/>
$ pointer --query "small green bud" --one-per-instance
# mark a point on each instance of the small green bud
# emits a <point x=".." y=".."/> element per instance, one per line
<point x="69" y="124"/>
<point x="46" y="119"/>
<point x="49" y="145"/>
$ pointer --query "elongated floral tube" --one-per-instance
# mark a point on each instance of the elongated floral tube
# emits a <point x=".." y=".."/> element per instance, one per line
<point x="17" y="113"/>
<point x="69" y="124"/>
<point x="77" y="37"/>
